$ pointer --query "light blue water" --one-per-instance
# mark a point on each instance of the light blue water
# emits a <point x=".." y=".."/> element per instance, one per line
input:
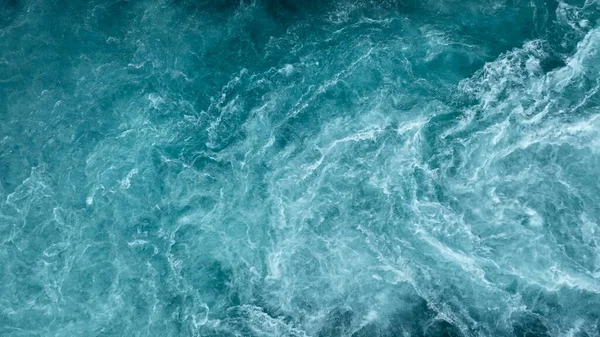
<point x="299" y="168"/>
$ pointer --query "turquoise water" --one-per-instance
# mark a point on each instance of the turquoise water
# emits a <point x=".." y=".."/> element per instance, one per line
<point x="300" y="168"/>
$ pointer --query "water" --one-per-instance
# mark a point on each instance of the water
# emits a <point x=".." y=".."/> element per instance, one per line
<point x="299" y="168"/>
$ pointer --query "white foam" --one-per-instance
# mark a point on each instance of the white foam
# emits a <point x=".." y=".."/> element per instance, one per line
<point x="126" y="182"/>
<point x="287" y="70"/>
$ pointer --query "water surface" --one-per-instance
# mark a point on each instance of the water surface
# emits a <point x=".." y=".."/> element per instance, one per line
<point x="299" y="168"/>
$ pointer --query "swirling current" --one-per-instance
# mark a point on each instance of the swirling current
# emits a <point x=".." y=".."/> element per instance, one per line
<point x="326" y="168"/>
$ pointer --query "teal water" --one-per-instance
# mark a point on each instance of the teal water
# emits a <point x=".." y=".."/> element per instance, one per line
<point x="300" y="168"/>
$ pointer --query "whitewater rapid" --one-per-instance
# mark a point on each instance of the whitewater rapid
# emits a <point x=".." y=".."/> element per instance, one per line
<point x="268" y="168"/>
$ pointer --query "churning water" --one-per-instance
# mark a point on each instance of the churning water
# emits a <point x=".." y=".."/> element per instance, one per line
<point x="300" y="168"/>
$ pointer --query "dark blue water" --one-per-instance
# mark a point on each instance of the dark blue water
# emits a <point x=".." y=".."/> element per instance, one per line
<point x="300" y="168"/>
